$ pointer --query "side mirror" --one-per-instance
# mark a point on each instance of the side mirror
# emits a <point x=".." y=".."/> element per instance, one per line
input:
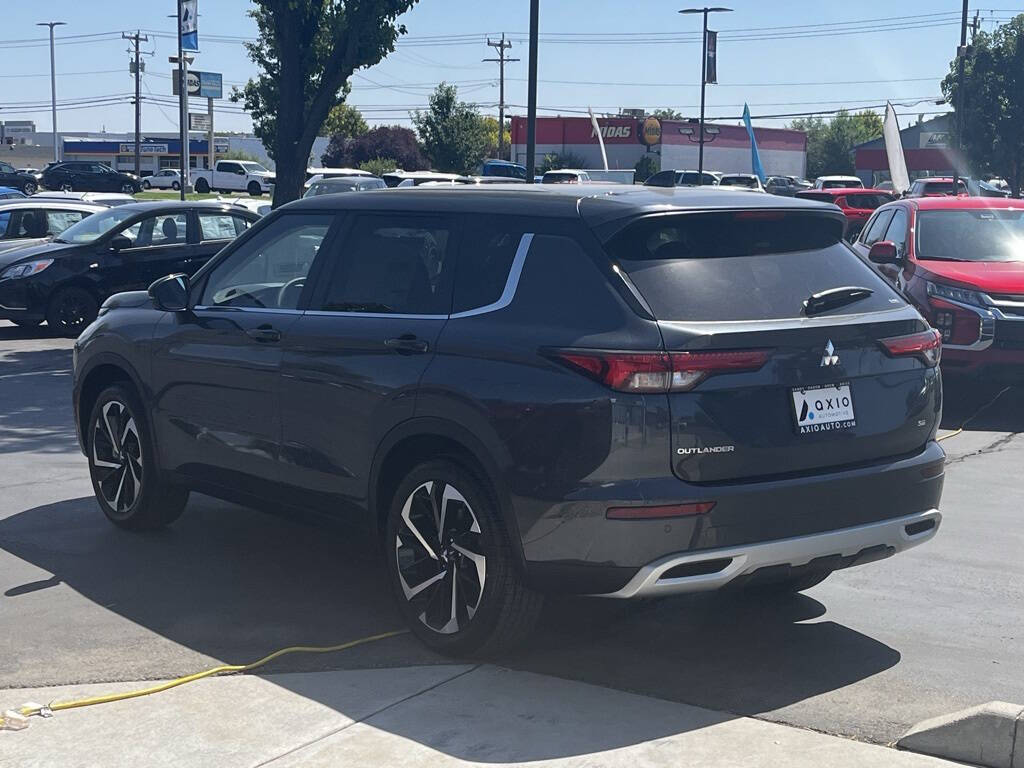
<point x="884" y="252"/>
<point x="170" y="293"/>
<point x="120" y="242"/>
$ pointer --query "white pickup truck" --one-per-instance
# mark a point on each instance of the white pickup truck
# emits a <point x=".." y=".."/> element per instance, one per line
<point x="234" y="176"/>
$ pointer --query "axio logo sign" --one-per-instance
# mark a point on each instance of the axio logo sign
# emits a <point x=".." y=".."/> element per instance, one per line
<point x="613" y="132"/>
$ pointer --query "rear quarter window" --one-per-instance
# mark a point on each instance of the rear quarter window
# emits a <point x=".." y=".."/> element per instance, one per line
<point x="746" y="265"/>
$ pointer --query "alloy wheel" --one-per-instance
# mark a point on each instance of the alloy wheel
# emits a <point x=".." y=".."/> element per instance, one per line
<point x="72" y="312"/>
<point x="29" y="188"/>
<point x="117" y="456"/>
<point x="441" y="566"/>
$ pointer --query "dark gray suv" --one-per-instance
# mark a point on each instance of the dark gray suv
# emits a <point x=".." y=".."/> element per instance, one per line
<point x="617" y="391"/>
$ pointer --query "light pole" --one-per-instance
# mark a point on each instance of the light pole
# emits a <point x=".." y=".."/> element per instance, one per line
<point x="53" y="85"/>
<point x="531" y="94"/>
<point x="703" y="81"/>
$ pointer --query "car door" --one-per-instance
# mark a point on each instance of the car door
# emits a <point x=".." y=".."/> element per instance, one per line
<point x="158" y="246"/>
<point x="353" y="361"/>
<point x="216" y="368"/>
<point x="8" y="176"/>
<point x="897" y="233"/>
<point x="216" y="228"/>
<point x="873" y="231"/>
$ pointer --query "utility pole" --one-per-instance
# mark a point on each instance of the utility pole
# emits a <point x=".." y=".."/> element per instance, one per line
<point x="975" y="25"/>
<point x="961" y="61"/>
<point x="703" y="82"/>
<point x="501" y="46"/>
<point x="53" y="85"/>
<point x="136" y="68"/>
<point x="531" y="95"/>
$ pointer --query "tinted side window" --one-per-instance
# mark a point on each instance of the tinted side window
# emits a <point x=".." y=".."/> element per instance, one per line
<point x="393" y="264"/>
<point x="489" y="246"/>
<point x="214" y="225"/>
<point x="897" y="231"/>
<point x="5" y="168"/>
<point x="269" y="270"/>
<point x="5" y="220"/>
<point x="229" y="167"/>
<point x="874" y="232"/>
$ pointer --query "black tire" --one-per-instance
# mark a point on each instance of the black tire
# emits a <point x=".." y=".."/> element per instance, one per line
<point x="65" y="186"/>
<point x="505" y="609"/>
<point x="71" y="310"/>
<point x="789" y="586"/>
<point x="202" y="186"/>
<point x="128" y="189"/>
<point x="254" y="189"/>
<point x="122" y="464"/>
<point x="30" y="188"/>
<point x="175" y="185"/>
<point x="26" y="323"/>
<point x="146" y="184"/>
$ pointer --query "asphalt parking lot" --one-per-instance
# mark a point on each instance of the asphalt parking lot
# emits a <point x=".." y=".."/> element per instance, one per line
<point x="867" y="653"/>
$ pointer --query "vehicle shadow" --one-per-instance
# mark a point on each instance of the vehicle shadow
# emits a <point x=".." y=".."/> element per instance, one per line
<point x="233" y="584"/>
<point x="982" y="405"/>
<point x="36" y="389"/>
<point x="21" y="332"/>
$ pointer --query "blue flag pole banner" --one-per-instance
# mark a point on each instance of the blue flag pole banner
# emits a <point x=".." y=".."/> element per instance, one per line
<point x="189" y="25"/>
<point x="755" y="157"/>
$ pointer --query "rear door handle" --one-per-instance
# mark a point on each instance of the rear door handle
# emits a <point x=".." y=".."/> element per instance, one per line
<point x="407" y="343"/>
<point x="264" y="333"/>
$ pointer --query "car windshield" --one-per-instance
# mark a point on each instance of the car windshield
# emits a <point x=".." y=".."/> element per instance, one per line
<point x="943" y="188"/>
<point x="739" y="181"/>
<point x="327" y="187"/>
<point x="838" y="183"/>
<point x="867" y="201"/>
<point x="254" y="168"/>
<point x="94" y="226"/>
<point x="982" y="234"/>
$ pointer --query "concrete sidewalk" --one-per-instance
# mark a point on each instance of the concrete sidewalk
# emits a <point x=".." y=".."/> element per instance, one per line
<point x="450" y="715"/>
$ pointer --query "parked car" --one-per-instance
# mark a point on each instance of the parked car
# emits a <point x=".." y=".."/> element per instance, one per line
<point x="490" y="180"/>
<point x="885" y="186"/>
<point x="937" y="186"/>
<point x="520" y="393"/>
<point x="30" y="221"/>
<point x="24" y="182"/>
<point x="9" y="193"/>
<point x="565" y="176"/>
<point x="959" y="261"/>
<point x="415" y="178"/>
<point x="89" y="176"/>
<point x="65" y="280"/>
<point x="259" y="207"/>
<point x="344" y="184"/>
<point x="856" y="203"/>
<point x="503" y="169"/>
<point x="682" y="179"/>
<point x="781" y="185"/>
<point x="314" y="175"/>
<point x="984" y="189"/>
<point x="108" y="199"/>
<point x="742" y="181"/>
<point x="38" y="174"/>
<point x="837" y="182"/>
<point x="168" y="178"/>
<point x="234" y="176"/>
<point x="800" y="182"/>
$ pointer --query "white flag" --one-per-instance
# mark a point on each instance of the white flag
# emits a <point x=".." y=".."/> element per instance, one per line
<point x="894" y="150"/>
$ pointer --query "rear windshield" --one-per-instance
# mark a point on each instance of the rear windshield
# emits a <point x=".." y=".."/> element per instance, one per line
<point x="971" y="235"/>
<point x="693" y="178"/>
<point x="840" y="183"/>
<point x="821" y="197"/>
<point x="943" y="187"/>
<point x="867" y="201"/>
<point x="745" y="265"/>
<point x="739" y="181"/>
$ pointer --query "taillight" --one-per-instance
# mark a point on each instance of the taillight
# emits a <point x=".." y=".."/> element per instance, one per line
<point x="926" y="346"/>
<point x="660" y="371"/>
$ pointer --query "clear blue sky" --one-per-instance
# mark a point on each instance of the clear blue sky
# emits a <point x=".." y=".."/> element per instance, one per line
<point x="615" y="53"/>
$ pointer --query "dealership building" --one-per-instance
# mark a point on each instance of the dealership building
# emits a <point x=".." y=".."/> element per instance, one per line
<point x="926" y="147"/>
<point x="627" y="139"/>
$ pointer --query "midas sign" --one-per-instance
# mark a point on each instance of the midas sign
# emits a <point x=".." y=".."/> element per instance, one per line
<point x="650" y="131"/>
<point x="613" y="132"/>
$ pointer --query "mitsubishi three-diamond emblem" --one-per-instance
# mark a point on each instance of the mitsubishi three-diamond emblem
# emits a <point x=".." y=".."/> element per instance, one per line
<point x="830" y="357"/>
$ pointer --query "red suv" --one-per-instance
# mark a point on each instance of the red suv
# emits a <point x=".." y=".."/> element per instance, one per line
<point x="961" y="261"/>
<point x="857" y="204"/>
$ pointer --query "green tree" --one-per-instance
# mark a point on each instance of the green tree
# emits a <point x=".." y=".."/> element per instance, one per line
<point x="239" y="154"/>
<point x="379" y="165"/>
<point x="555" y="162"/>
<point x="306" y="51"/>
<point x="993" y="107"/>
<point x="666" y="113"/>
<point x="346" y="121"/>
<point x="830" y="144"/>
<point x="452" y="132"/>
<point x="647" y="166"/>
<point x="492" y="137"/>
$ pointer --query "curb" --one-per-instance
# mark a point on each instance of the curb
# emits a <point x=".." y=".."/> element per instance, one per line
<point x="990" y="735"/>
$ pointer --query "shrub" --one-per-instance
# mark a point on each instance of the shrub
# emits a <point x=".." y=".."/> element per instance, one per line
<point x="647" y="166"/>
<point x="555" y="162"/>
<point x="379" y="165"/>
<point x="392" y="141"/>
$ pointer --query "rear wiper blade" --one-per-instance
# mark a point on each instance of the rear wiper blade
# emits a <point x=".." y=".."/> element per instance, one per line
<point x="823" y="301"/>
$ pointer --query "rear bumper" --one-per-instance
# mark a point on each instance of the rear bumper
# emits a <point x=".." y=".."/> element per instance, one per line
<point x="716" y="568"/>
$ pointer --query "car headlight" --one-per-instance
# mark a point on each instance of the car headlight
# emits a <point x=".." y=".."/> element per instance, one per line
<point x="25" y="268"/>
<point x="951" y="292"/>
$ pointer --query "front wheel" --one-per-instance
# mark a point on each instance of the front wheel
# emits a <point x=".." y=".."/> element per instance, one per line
<point x="175" y="185"/>
<point x="122" y="465"/>
<point x="202" y="186"/>
<point x="254" y="189"/>
<point x="71" y="310"/>
<point x="451" y="564"/>
<point x="30" y="188"/>
<point x="146" y="184"/>
<point x="127" y="189"/>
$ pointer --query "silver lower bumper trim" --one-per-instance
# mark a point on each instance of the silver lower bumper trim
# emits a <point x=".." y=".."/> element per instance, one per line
<point x="650" y="582"/>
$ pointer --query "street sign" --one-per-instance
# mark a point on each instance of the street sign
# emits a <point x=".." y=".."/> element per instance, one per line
<point x="206" y="85"/>
<point x="199" y="121"/>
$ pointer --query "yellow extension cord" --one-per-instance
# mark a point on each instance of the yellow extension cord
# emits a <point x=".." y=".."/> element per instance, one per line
<point x="30" y="711"/>
<point x="977" y="413"/>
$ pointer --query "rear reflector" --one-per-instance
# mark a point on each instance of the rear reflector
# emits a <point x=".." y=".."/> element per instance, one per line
<point x="657" y="513"/>
<point x="925" y="346"/>
<point x="660" y="371"/>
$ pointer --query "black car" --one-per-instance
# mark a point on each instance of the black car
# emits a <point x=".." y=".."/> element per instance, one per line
<point x="64" y="280"/>
<point x="89" y="176"/>
<point x="31" y="220"/>
<point x="617" y="391"/>
<point x="9" y="177"/>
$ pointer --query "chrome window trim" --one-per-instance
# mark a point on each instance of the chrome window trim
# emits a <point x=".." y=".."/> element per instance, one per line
<point x="511" y="284"/>
<point x="271" y="310"/>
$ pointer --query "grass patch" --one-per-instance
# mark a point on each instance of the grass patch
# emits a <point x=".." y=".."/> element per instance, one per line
<point x="171" y="194"/>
